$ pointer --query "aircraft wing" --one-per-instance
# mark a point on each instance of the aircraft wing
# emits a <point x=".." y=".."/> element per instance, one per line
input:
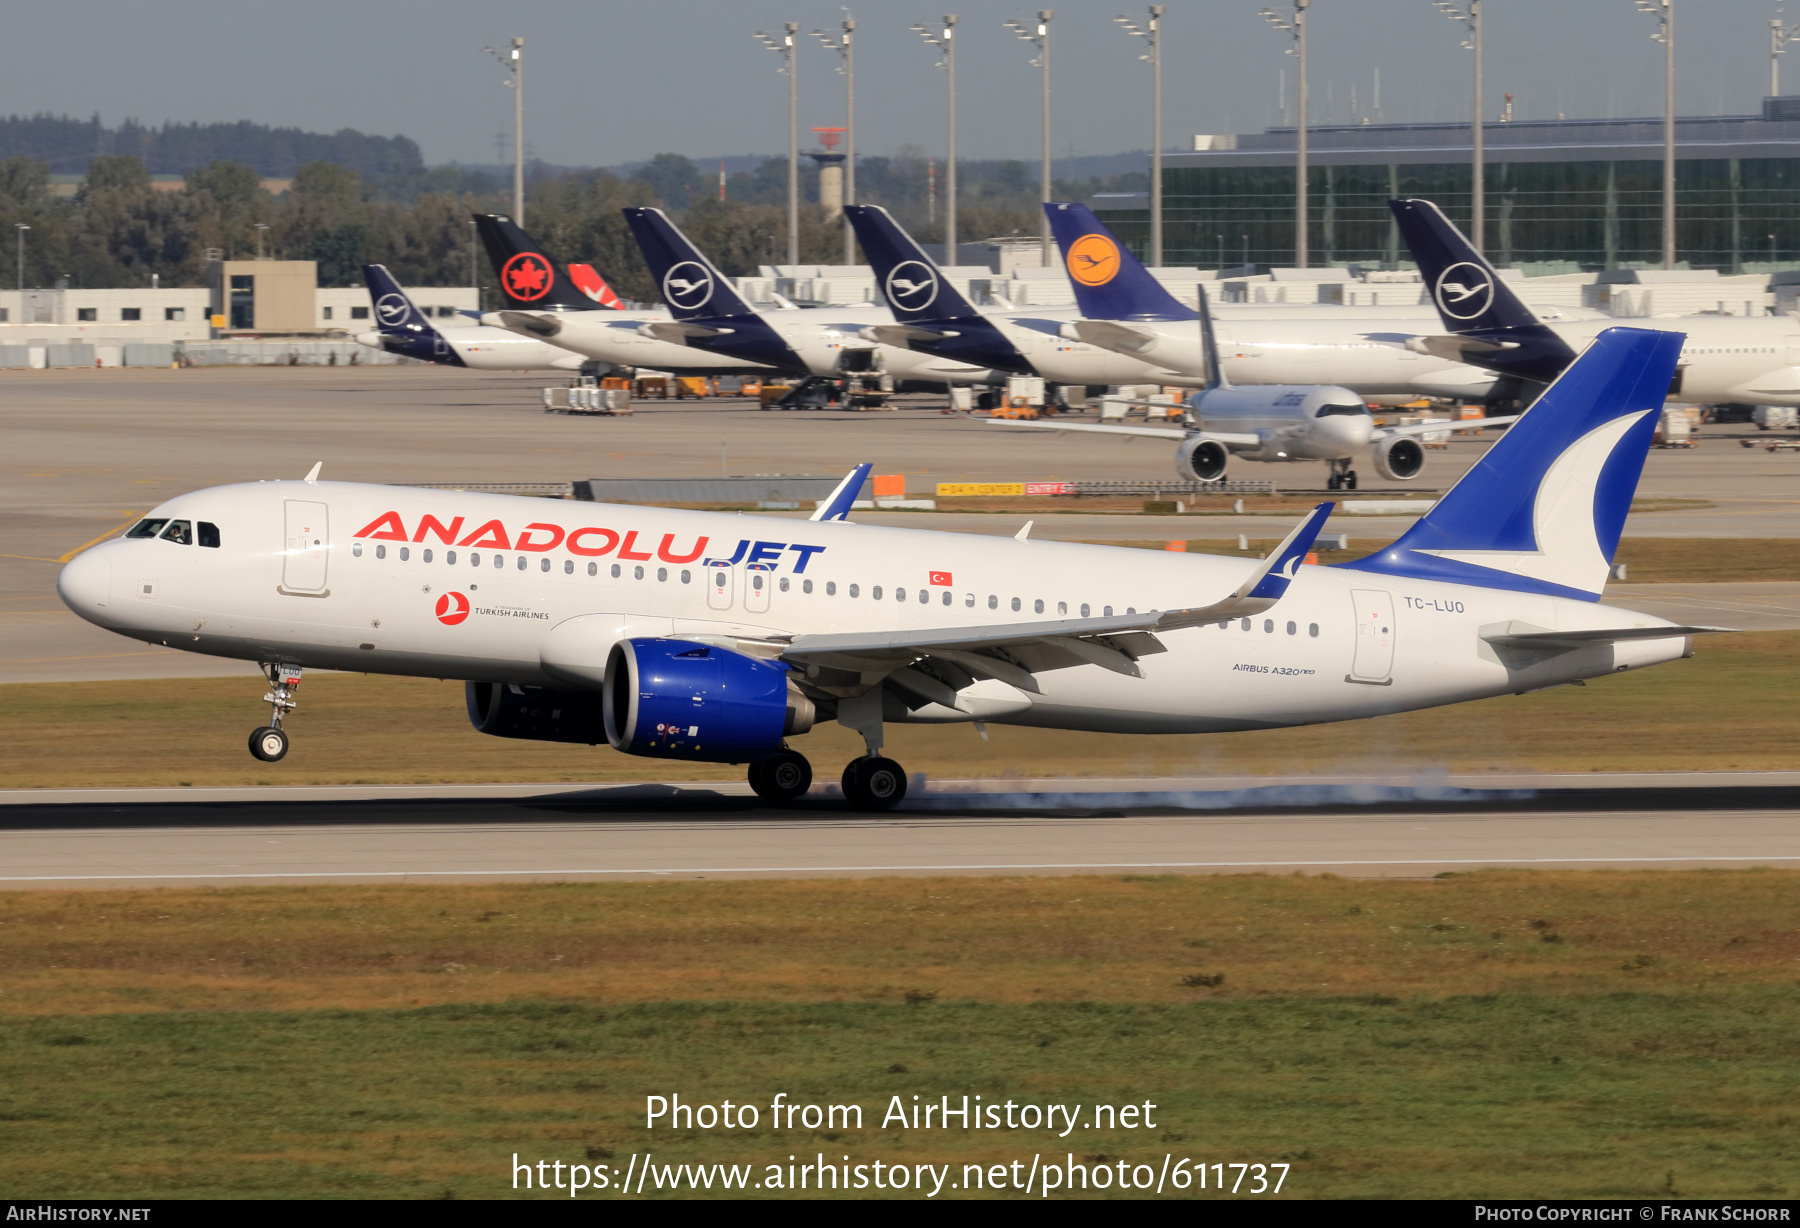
<point x="1446" y="424"/>
<point x="1454" y="348"/>
<point x="901" y="336"/>
<point x="1111" y="335"/>
<point x="1228" y="438"/>
<point x="530" y="325"/>
<point x="1012" y="653"/>
<point x="678" y="332"/>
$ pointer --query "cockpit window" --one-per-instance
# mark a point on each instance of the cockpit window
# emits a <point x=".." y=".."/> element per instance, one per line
<point x="181" y="532"/>
<point x="209" y="535"/>
<point x="1326" y="411"/>
<point x="147" y="528"/>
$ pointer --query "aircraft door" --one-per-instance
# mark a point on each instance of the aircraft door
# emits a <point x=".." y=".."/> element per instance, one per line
<point x="759" y="578"/>
<point x="719" y="577"/>
<point x="305" y="548"/>
<point x="1374" y="658"/>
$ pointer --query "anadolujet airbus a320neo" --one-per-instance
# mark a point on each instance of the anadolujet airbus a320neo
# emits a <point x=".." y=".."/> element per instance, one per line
<point x="706" y="636"/>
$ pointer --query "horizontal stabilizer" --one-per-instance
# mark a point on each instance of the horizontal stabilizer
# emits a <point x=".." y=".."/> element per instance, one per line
<point x="677" y="332"/>
<point x="1111" y="335"/>
<point x="1454" y="348"/>
<point x="1521" y="635"/>
<point x="901" y="336"/>
<point x="533" y="325"/>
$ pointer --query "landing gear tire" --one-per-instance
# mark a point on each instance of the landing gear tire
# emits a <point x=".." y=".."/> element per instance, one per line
<point x="780" y="777"/>
<point x="268" y="744"/>
<point x="1350" y="480"/>
<point x="1334" y="482"/>
<point x="874" y="783"/>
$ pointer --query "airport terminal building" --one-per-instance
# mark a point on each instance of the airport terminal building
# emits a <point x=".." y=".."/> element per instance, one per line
<point x="1562" y="195"/>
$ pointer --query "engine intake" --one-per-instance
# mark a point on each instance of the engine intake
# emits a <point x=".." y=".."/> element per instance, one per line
<point x="536" y="714"/>
<point x="678" y="699"/>
<point x="1399" y="458"/>
<point x="1202" y="460"/>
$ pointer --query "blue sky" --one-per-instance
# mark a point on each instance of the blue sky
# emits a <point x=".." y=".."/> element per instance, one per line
<point x="613" y="82"/>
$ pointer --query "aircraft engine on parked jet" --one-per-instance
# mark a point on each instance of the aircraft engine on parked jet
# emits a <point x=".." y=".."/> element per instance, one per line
<point x="1399" y="458"/>
<point x="1202" y="460"/>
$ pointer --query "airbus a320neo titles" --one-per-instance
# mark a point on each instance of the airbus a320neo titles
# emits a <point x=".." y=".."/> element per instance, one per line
<point x="693" y="635"/>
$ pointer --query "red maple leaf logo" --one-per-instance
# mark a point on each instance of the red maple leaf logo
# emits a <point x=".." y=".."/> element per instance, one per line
<point x="526" y="276"/>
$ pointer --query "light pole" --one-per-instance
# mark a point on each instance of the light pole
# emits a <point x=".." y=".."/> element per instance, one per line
<point x="1151" y="33"/>
<point x="785" y="45"/>
<point x="946" y="43"/>
<point x="1478" y="182"/>
<point x="1297" y="28"/>
<point x="1041" y="40"/>
<point x="22" y="229"/>
<point x="1779" y="37"/>
<point x="1664" y="12"/>
<point x="845" y="46"/>
<point x="260" y="227"/>
<point x="513" y="59"/>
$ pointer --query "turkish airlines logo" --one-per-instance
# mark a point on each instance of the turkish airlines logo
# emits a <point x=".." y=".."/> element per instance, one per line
<point x="689" y="286"/>
<point x="392" y="308"/>
<point x="1093" y="260"/>
<point x="452" y="608"/>
<point x="1464" y="291"/>
<point x="941" y="578"/>
<point x="911" y="285"/>
<point x="527" y="277"/>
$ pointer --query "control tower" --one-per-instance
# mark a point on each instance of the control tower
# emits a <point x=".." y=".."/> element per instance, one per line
<point x="831" y="171"/>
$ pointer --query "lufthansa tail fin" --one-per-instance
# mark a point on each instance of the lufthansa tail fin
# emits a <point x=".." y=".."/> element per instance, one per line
<point x="1469" y="294"/>
<point x="690" y="285"/>
<point x="909" y="279"/>
<point x="529" y="280"/>
<point x="1542" y="510"/>
<point x="395" y="315"/>
<point x="1110" y="283"/>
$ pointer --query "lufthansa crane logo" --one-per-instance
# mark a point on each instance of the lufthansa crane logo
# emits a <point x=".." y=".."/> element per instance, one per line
<point x="911" y="285"/>
<point x="1464" y="291"/>
<point x="689" y="286"/>
<point x="452" y="608"/>
<point x="1093" y="260"/>
<point x="527" y="277"/>
<point x="391" y="308"/>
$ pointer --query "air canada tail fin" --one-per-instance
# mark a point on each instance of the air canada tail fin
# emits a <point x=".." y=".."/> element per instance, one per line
<point x="528" y="278"/>
<point x="395" y="314"/>
<point x="1542" y="511"/>
<point x="1110" y="283"/>
<point x="909" y="279"/>
<point x="1469" y="295"/>
<point x="690" y="285"/>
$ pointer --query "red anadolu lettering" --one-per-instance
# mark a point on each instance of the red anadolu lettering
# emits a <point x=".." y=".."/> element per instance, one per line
<point x="525" y="542"/>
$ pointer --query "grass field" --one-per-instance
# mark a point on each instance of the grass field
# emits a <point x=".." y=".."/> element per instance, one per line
<point x="1502" y="1034"/>
<point x="1727" y="708"/>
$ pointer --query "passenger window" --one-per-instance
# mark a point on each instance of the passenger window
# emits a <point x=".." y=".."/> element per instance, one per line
<point x="498" y="561"/>
<point x="615" y="571"/>
<point x="637" y="573"/>
<point x="474" y="559"/>
<point x="993" y="603"/>
<point x="968" y="599"/>
<point x="147" y="528"/>
<point x="784" y="584"/>
<point x="805" y="586"/>
<point x="662" y="575"/>
<point x="1246" y="624"/>
<point x="404" y="552"/>
<point x="1268" y="626"/>
<point x="594" y="569"/>
<point x="380" y="552"/>
<point x="688" y="576"/>
<point x="543" y="564"/>
<point x="1062" y="607"/>
<point x="1312" y="629"/>
<point x="450" y="557"/>
<point x="427" y="557"/>
<point x="756" y="581"/>
<point x="209" y="535"/>
<point x="1106" y="611"/>
<point x="874" y="593"/>
<point x="854" y="591"/>
<point x="356" y="550"/>
<point x="1293" y="628"/>
<point x="181" y="532"/>
<point x="1084" y="609"/>
<point x="946" y="596"/>
<point x="899" y="594"/>
<point x="1037" y="607"/>
<point x="568" y="567"/>
<point x="1015" y="605"/>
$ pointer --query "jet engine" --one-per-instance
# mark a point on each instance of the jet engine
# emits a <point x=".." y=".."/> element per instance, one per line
<point x="678" y="699"/>
<point x="535" y="713"/>
<point x="1399" y="458"/>
<point x="1201" y="460"/>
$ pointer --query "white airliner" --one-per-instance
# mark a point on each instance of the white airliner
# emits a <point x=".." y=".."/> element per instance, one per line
<point x="1273" y="422"/>
<point x="401" y="328"/>
<point x="704" y="636"/>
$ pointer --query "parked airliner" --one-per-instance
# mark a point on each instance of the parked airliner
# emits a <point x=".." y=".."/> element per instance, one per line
<point x="1744" y="360"/>
<point x="705" y="636"/>
<point x="401" y="328"/>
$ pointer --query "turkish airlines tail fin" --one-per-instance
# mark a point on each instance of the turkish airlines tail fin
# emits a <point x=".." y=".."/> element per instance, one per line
<point x="1542" y="511"/>
<point x="528" y="278"/>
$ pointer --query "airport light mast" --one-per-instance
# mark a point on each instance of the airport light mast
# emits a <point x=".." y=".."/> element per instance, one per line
<point x="22" y="229"/>
<point x="514" y="61"/>
<point x="946" y="43"/>
<point x="1664" y="12"/>
<point x="845" y="46"/>
<point x="1779" y="36"/>
<point x="1297" y="28"/>
<point x="1478" y="170"/>
<point x="785" y="45"/>
<point x="1041" y="40"/>
<point x="1151" y="33"/>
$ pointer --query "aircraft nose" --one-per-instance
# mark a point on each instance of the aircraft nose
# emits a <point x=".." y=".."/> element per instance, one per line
<point x="1358" y="430"/>
<point x="85" y="584"/>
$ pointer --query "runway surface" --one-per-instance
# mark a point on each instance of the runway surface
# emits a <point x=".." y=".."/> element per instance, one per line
<point x="1360" y="827"/>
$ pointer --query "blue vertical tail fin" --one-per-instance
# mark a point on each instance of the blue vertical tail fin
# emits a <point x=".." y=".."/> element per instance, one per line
<point x="690" y="285"/>
<point x="1468" y="293"/>
<point x="1110" y="283"/>
<point x="1542" y="511"/>
<point x="909" y="279"/>
<point x="529" y="279"/>
<point x="403" y="328"/>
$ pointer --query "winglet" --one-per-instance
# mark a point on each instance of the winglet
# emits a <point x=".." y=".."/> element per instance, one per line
<point x="837" y="507"/>
<point x="1284" y="561"/>
<point x="312" y="474"/>
<point x="1024" y="534"/>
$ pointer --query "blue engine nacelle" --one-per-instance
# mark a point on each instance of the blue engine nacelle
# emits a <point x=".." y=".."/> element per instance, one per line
<point x="677" y="699"/>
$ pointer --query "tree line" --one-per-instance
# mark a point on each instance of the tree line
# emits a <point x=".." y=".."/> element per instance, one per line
<point x="119" y="230"/>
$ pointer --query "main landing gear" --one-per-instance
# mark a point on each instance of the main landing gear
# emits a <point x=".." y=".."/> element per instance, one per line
<point x="874" y="783"/>
<point x="780" y="777"/>
<point x="1343" y="477"/>
<point x="268" y="742"/>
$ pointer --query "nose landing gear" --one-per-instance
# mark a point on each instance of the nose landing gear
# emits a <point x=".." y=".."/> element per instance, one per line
<point x="1343" y="477"/>
<point x="268" y="742"/>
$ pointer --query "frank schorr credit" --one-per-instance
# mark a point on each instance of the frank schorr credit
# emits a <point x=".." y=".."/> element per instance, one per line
<point x="1749" y="1211"/>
